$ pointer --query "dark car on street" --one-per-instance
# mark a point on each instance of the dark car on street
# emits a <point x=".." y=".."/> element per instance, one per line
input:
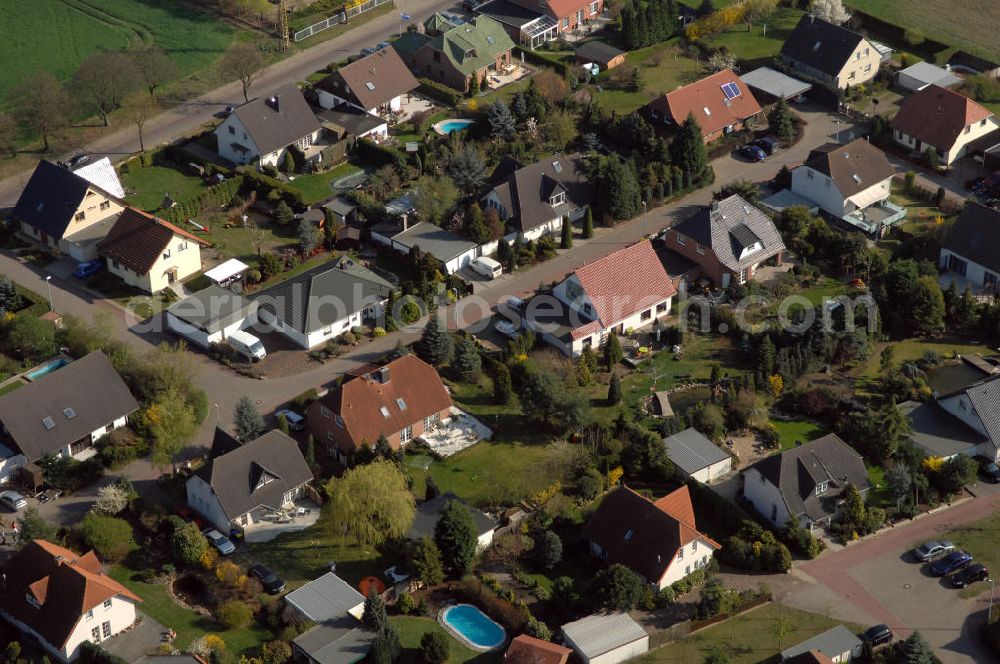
<point x="877" y="635"/>
<point x="969" y="575"/>
<point x="990" y="472"/>
<point x="767" y="144"/>
<point x="752" y="153"/>
<point x="953" y="562"/>
<point x="271" y="582"/>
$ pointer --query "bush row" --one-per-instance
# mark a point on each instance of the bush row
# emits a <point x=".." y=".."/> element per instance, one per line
<point x="439" y="92"/>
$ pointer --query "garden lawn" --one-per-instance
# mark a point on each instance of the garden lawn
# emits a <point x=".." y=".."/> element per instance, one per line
<point x="147" y="186"/>
<point x="879" y="495"/>
<point x="235" y="242"/>
<point x="661" y="69"/>
<point x="790" y="431"/>
<point x="763" y="40"/>
<point x="979" y="539"/>
<point x="411" y="629"/>
<point x="316" y="187"/>
<point x="748" y="638"/>
<point x="913" y="349"/>
<point x="189" y="625"/>
<point x="826" y="288"/>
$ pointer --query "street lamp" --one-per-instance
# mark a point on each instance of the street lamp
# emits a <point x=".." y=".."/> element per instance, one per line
<point x="644" y="208"/>
<point x="989" y="613"/>
<point x="838" y="130"/>
<point x="48" y="289"/>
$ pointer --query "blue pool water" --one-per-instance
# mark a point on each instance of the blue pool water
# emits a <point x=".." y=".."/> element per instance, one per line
<point x="475" y="626"/>
<point x="449" y="126"/>
<point x="48" y="368"/>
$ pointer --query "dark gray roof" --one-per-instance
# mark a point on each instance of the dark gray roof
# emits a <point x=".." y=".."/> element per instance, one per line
<point x="985" y="399"/>
<point x="598" y="51"/>
<point x="77" y="399"/>
<point x="797" y="472"/>
<point x="527" y="190"/>
<point x="728" y="227"/>
<point x="341" y="206"/>
<point x="832" y="643"/>
<point x="434" y="240"/>
<point x="351" y="119"/>
<point x="323" y="295"/>
<point x="429" y="512"/>
<point x="51" y="197"/>
<point x="342" y="641"/>
<point x="976" y="235"/>
<point x="327" y="598"/>
<point x="256" y="474"/>
<point x="820" y="45"/>
<point x="691" y="451"/>
<point x="274" y="124"/>
<point x="213" y="308"/>
<point x="507" y="13"/>
<point x="938" y="432"/>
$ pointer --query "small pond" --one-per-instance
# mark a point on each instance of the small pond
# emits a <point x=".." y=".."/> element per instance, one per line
<point x="948" y="377"/>
<point x="685" y="399"/>
<point x="191" y="590"/>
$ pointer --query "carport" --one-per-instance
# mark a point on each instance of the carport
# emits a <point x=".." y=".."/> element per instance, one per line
<point x="769" y="85"/>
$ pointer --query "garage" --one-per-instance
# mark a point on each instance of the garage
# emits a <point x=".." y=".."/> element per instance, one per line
<point x="607" y="638"/>
<point x="210" y="315"/>
<point x="698" y="457"/>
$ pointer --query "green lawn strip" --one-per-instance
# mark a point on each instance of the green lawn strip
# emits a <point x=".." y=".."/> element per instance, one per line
<point x="10" y="387"/>
<point x="660" y="69"/>
<point x="792" y="431"/>
<point x="503" y="94"/>
<point x="913" y="349"/>
<point x="980" y="539"/>
<point x="411" y="629"/>
<point x="750" y="637"/>
<point x="149" y="186"/>
<point x="316" y="187"/>
<point x="236" y="241"/>
<point x="826" y="288"/>
<point x="189" y="625"/>
<point x="879" y="495"/>
<point x="763" y="40"/>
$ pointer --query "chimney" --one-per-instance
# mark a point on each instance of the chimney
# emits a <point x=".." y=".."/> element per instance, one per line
<point x="383" y="375"/>
<point x="715" y="206"/>
<point x="406" y="221"/>
<point x="274" y="103"/>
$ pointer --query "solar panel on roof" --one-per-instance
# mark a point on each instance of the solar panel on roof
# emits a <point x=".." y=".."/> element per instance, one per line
<point x="731" y="90"/>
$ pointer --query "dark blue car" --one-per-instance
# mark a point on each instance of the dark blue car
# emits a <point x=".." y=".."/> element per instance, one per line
<point x="84" y="270"/>
<point x="953" y="562"/>
<point x="753" y="153"/>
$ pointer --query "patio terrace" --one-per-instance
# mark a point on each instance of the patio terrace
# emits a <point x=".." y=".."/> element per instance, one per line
<point x="456" y="433"/>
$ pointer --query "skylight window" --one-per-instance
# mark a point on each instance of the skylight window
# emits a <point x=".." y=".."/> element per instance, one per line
<point x="370" y="86"/>
<point x="707" y="112"/>
<point x="384" y="411"/>
<point x="731" y="90"/>
<point x="628" y="535"/>
<point x="69" y="413"/>
<point x="557" y="167"/>
<point x="816" y="46"/>
<point x="401" y="404"/>
<point x="857" y="178"/>
<point x="489" y="38"/>
<point x="49" y="423"/>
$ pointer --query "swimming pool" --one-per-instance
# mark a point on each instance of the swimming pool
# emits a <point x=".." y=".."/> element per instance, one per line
<point x="454" y="124"/>
<point x="48" y="368"/>
<point x="473" y="627"/>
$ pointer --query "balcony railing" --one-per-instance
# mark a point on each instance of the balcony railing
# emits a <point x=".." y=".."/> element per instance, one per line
<point x="874" y="218"/>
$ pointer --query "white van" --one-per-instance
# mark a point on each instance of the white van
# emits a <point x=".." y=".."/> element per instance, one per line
<point x="487" y="267"/>
<point x="247" y="345"/>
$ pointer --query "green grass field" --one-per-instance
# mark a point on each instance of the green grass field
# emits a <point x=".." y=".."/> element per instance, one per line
<point x="979" y="539"/>
<point x="411" y="629"/>
<point x="316" y="187"/>
<point x="660" y="69"/>
<point x="792" y="431"/>
<point x="56" y="35"/>
<point x="149" y="185"/>
<point x="762" y="40"/>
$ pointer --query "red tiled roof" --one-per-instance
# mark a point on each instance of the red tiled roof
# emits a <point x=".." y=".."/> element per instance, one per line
<point x="707" y="94"/>
<point x="138" y="239"/>
<point x="625" y="282"/>
<point x="937" y="116"/>
<point x="528" y="650"/>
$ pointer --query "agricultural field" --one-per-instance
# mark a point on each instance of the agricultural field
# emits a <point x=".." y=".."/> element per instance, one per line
<point x="56" y="35"/>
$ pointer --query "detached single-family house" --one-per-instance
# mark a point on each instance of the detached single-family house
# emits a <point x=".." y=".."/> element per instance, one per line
<point x="63" y="599"/>
<point x="830" y="54"/>
<point x="918" y="76"/>
<point x="970" y="246"/>
<point x="261" y="130"/>
<point x="101" y="173"/>
<point x="942" y="119"/>
<point x="531" y="23"/>
<point x="626" y="290"/>
<point x="323" y="303"/>
<point x="66" y="212"/>
<point x="696" y="456"/>
<point x="68" y="409"/>
<point x="339" y="637"/>
<point x="454" y="251"/>
<point x="453" y="54"/>
<point x="850" y="182"/>
<point x="839" y="644"/>
<point x="429" y="511"/>
<point x="400" y="401"/>
<point x="526" y="649"/>
<point x="721" y="103"/>
<point x="242" y="485"/>
<point x="599" y="53"/>
<point x="375" y="84"/>
<point x="606" y="638"/>
<point x="533" y="199"/>
<point x="963" y="421"/>
<point x="729" y="240"/>
<point x="658" y="540"/>
<point x="149" y="253"/>
<point x="211" y="315"/>
<point x="807" y="482"/>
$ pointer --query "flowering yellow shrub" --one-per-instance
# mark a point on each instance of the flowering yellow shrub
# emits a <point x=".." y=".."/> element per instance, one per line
<point x="208" y="558"/>
<point x="933" y="463"/>
<point x="545" y="495"/>
<point x="615" y="475"/>
<point x="776" y="384"/>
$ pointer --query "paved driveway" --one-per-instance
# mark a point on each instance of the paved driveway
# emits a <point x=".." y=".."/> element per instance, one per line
<point x="136" y="643"/>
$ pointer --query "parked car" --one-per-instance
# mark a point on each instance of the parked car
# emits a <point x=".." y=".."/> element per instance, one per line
<point x="221" y="543"/>
<point x="383" y="45"/>
<point x="969" y="575"/>
<point x="953" y="562"/>
<point x="84" y="270"/>
<point x="506" y="328"/>
<point x="454" y="18"/>
<point x="990" y="471"/>
<point x="367" y="50"/>
<point x="79" y="160"/>
<point x="767" y="144"/>
<point x="295" y="421"/>
<point x="753" y="153"/>
<point x="13" y="501"/>
<point x="932" y="549"/>
<point x="877" y="635"/>
<point x="273" y="584"/>
<point x="470" y="5"/>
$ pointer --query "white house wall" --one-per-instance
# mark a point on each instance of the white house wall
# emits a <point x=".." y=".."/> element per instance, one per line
<point x="483" y="541"/>
<point x="695" y="555"/>
<point x="713" y="471"/>
<point x="949" y="154"/>
<point x="103" y="431"/>
<point x="974" y="272"/>
<point x="203" y="500"/>
<point x="817" y="187"/>
<point x="120" y="614"/>
<point x="764" y="497"/>
<point x="225" y="139"/>
<point x="620" y="654"/>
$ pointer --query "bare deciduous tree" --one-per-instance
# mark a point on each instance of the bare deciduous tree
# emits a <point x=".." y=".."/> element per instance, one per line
<point x="244" y="62"/>
<point x="153" y="67"/>
<point x="8" y="135"/>
<point x="40" y="104"/>
<point x="138" y="108"/>
<point x="106" y="78"/>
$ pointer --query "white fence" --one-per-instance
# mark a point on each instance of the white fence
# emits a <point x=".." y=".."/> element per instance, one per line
<point x="338" y="18"/>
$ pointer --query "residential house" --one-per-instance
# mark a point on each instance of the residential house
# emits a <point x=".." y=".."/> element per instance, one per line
<point x="211" y="315"/>
<point x="830" y="54"/>
<point x="323" y="303"/>
<point x="149" y="253"/>
<point x="261" y="130"/>
<point x="941" y="119"/>
<point x="400" y="401"/>
<point x="969" y="247"/>
<point x="454" y="251"/>
<point x="68" y="409"/>
<point x="534" y="199"/>
<point x="658" y="540"/>
<point x="526" y="649"/>
<point x="101" y="173"/>
<point x="337" y="608"/>
<point x="918" y="76"/>
<point x="599" y="53"/>
<point x="606" y="638"/>
<point x="531" y="23"/>
<point x="696" y="456"/>
<point x="807" y="481"/>
<point x="455" y="54"/>
<point x="429" y="511"/>
<point x="65" y="211"/>
<point x="63" y="599"/>
<point x="721" y="103"/>
<point x="242" y="486"/>
<point x="729" y="240"/>
<point x="963" y="421"/>
<point x="374" y="84"/>
<point x="627" y="289"/>
<point x="851" y="183"/>
<point x="839" y="644"/>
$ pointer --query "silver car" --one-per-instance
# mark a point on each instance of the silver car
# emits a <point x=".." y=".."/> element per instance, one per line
<point x="13" y="501"/>
<point x="932" y="549"/>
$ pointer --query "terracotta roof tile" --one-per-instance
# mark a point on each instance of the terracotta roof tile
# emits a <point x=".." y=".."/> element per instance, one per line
<point x="371" y="81"/>
<point x="138" y="239"/>
<point x="937" y="116"/>
<point x="708" y="94"/>
<point x="626" y="282"/>
<point x="528" y="650"/>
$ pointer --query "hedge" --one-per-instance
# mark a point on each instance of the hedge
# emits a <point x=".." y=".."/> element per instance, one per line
<point x="218" y="195"/>
<point x="439" y="92"/>
<point x="534" y="58"/>
<point x="380" y="156"/>
<point x="265" y="184"/>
